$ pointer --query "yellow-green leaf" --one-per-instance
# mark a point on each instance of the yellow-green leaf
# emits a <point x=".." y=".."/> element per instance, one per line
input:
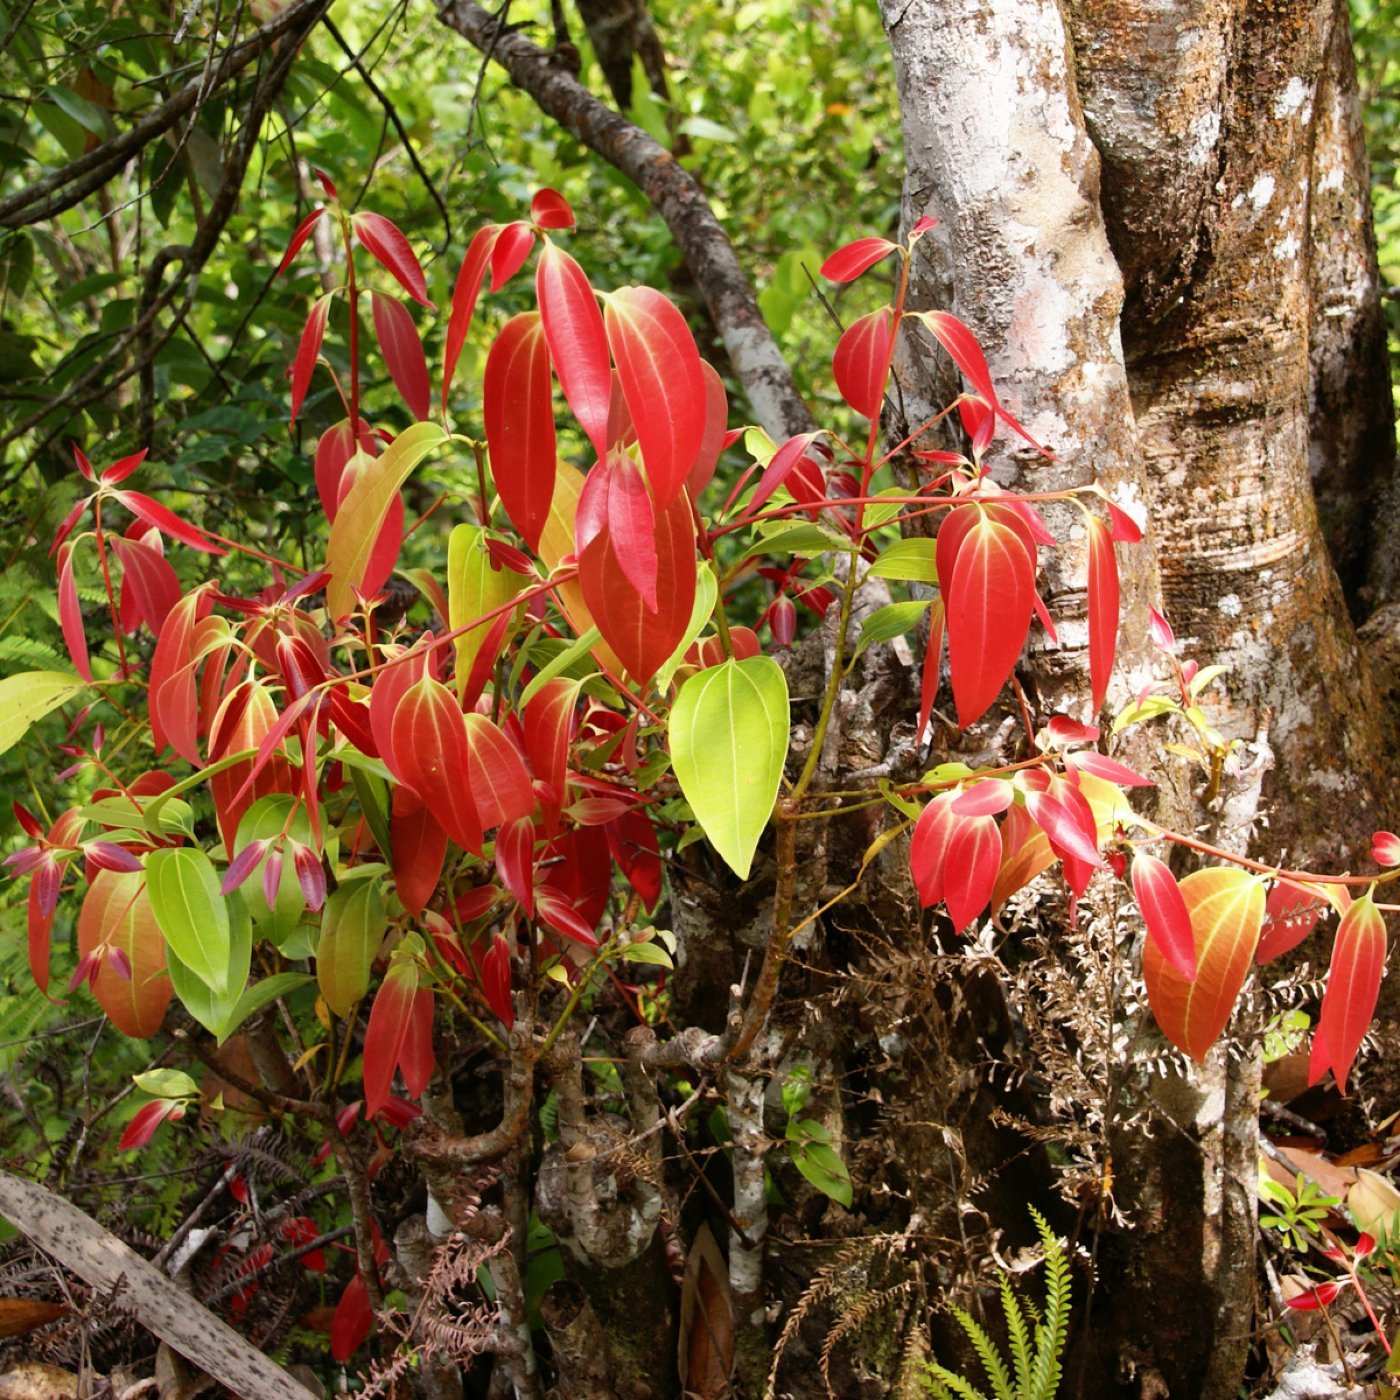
<point x="362" y="512"/>
<point x="28" y="697"/>
<point x="729" y="740"/>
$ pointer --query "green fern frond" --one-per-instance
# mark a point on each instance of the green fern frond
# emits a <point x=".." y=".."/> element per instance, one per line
<point x="30" y="652"/>
<point x="948" y="1385"/>
<point x="1035" y="1357"/>
<point x="987" y="1353"/>
<point x="1018" y="1333"/>
<point x="1052" y="1334"/>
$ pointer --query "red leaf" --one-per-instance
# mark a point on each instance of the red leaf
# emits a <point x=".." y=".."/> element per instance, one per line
<point x="1063" y="813"/>
<point x="303" y="232"/>
<point x="148" y="580"/>
<point x="971" y="861"/>
<point x="518" y="408"/>
<point x="1324" y="1295"/>
<point x="962" y="346"/>
<point x="308" y="350"/>
<point x="70" y="614"/>
<point x="643" y="638"/>
<point x="464" y="295"/>
<point x="116" y="913"/>
<point x="419" y="846"/>
<point x="495" y="980"/>
<point x="1226" y="908"/>
<point x="167" y="522"/>
<point x="1124" y="528"/>
<point x="498" y="782"/>
<point x="1385" y="849"/>
<point x="84" y="466"/>
<point x="416" y="1058"/>
<point x="509" y="252"/>
<point x="390" y="1033"/>
<point x="248" y="719"/>
<point x="933" y="660"/>
<point x="780" y="466"/>
<point x="1290" y="915"/>
<point x="928" y="847"/>
<point x="354" y="1318"/>
<point x="429" y="743"/>
<point x="563" y="917"/>
<point x="549" y="209"/>
<point x="515" y="860"/>
<point x="548" y="724"/>
<point x="146" y="1120"/>
<point x="173" y="710"/>
<point x="403" y="352"/>
<point x="989" y="597"/>
<point x="119" y="471"/>
<point x="862" y="361"/>
<point x="632" y="840"/>
<point x="1109" y="769"/>
<point x="702" y="469"/>
<point x="1103" y="609"/>
<point x="846" y="264"/>
<point x="1164" y="912"/>
<point x="986" y="798"/>
<point x="334" y="448"/>
<point x="631" y="524"/>
<point x="979" y="423"/>
<point x="390" y="249"/>
<point x="1160" y="630"/>
<point x="578" y="344"/>
<point x="1353" y="984"/>
<point x="41" y="909"/>
<point x="662" y="382"/>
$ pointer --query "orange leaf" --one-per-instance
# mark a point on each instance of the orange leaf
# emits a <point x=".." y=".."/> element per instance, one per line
<point x="1226" y="908"/>
<point x="117" y="912"/>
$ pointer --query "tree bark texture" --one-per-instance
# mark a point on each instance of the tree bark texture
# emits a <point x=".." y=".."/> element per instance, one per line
<point x="1243" y="388"/>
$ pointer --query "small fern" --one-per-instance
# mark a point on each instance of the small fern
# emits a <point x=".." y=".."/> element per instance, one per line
<point x="1036" y="1340"/>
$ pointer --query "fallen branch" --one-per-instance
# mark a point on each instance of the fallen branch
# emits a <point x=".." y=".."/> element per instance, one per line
<point x="100" y="1259"/>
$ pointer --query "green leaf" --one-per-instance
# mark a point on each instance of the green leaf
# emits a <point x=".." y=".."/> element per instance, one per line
<point x="373" y="795"/>
<point x="889" y="622"/>
<point x="802" y="539"/>
<point x="560" y="664"/>
<point x="352" y="932"/>
<point x="907" y="559"/>
<point x="192" y="914"/>
<point x="652" y="953"/>
<point x="729" y="740"/>
<point x="215" y="1010"/>
<point x="1138" y="710"/>
<point x="28" y="696"/>
<point x="823" y="1167"/>
<point x="362" y="512"/>
<point x="166" y="1084"/>
<point x="268" y="989"/>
